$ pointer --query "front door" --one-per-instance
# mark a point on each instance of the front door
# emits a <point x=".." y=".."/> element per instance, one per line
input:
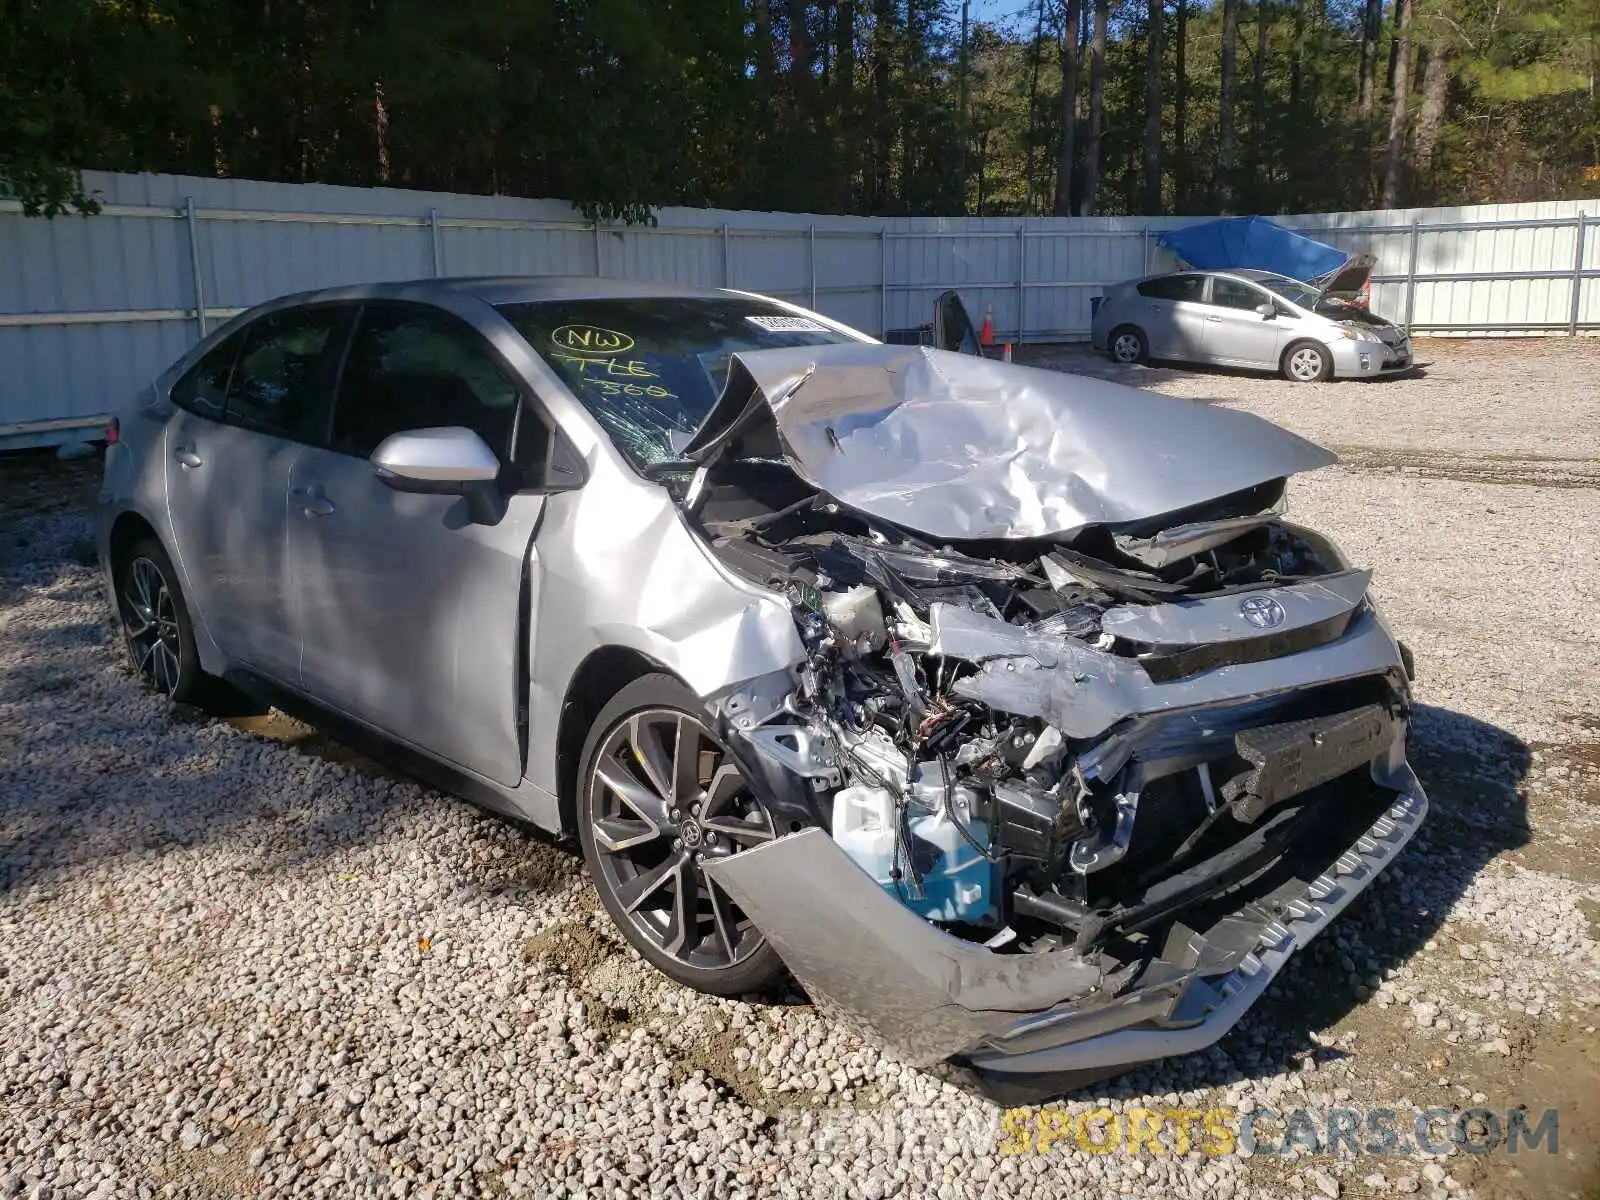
<point x="246" y="411"/>
<point x="1236" y="333"/>
<point x="409" y="614"/>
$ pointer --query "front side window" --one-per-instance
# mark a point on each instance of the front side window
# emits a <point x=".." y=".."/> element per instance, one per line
<point x="1294" y="291"/>
<point x="412" y="368"/>
<point x="203" y="389"/>
<point x="1175" y="287"/>
<point x="649" y="369"/>
<point x="281" y="382"/>
<point x="1231" y="293"/>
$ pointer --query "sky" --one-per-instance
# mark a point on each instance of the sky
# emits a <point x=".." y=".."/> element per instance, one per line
<point x="1000" y="10"/>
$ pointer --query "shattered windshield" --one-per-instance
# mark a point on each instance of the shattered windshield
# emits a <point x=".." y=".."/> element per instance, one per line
<point x="1293" y="291"/>
<point x="650" y="368"/>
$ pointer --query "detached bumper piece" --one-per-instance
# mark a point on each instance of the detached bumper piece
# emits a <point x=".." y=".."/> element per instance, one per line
<point x="1045" y="1022"/>
<point x="1076" y="1044"/>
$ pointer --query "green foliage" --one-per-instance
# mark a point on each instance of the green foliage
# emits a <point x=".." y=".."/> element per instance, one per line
<point x="622" y="106"/>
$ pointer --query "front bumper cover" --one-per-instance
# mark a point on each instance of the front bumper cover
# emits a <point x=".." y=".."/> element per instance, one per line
<point x="1024" y="1017"/>
<point x="1360" y="359"/>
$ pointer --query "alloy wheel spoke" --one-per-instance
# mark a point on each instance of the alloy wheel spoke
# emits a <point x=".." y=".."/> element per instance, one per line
<point x="724" y="920"/>
<point x="615" y="834"/>
<point x="651" y="756"/>
<point x="682" y="933"/>
<point x="631" y="893"/>
<point x="726" y="783"/>
<point x="740" y="830"/>
<point x="685" y="761"/>
<point x="147" y="580"/>
<point x="166" y="668"/>
<point x="143" y="652"/>
<point x="645" y="804"/>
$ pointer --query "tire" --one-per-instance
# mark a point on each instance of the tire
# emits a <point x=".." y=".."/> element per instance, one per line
<point x="156" y="628"/>
<point x="647" y="819"/>
<point x="1307" y="362"/>
<point x="1128" y="345"/>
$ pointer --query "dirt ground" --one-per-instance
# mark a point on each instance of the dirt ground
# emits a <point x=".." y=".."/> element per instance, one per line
<point x="1468" y="976"/>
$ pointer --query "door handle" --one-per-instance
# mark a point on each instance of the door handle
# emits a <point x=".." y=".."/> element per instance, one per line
<point x="312" y="502"/>
<point x="1213" y="318"/>
<point x="187" y="458"/>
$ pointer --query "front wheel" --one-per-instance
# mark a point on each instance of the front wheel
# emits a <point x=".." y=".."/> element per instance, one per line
<point x="659" y="797"/>
<point x="1307" y="362"/>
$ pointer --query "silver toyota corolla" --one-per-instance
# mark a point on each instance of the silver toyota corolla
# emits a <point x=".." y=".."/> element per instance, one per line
<point x="1003" y="708"/>
<point x="1252" y="319"/>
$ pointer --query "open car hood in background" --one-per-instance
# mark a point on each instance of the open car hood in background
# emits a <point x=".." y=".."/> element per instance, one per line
<point x="1349" y="282"/>
<point x="957" y="447"/>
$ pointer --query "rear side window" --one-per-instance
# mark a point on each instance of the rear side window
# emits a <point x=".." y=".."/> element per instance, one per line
<point x="203" y="390"/>
<point x="1230" y="293"/>
<point x="282" y="380"/>
<point x="411" y="368"/>
<point x="1175" y="287"/>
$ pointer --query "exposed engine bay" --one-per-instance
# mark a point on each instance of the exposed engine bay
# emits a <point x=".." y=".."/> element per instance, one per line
<point x="973" y="800"/>
<point x="1019" y="710"/>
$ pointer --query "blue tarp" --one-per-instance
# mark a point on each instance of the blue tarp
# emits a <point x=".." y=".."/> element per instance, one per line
<point x="1253" y="242"/>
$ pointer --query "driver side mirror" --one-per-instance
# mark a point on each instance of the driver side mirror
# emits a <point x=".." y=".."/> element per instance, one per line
<point x="1267" y="309"/>
<point x="449" y="461"/>
<point x="435" y="460"/>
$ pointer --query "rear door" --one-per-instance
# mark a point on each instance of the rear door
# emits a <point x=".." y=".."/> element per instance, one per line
<point x="1174" y="317"/>
<point x="1236" y="334"/>
<point x="409" y="614"/>
<point x="246" y="412"/>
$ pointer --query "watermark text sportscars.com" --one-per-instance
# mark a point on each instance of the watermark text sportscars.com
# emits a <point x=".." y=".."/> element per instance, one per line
<point x="1265" y="1131"/>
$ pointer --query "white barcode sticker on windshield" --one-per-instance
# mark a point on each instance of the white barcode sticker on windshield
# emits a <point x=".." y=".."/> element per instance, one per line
<point x="788" y="324"/>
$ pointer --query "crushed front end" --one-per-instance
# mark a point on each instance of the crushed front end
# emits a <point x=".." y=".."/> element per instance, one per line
<point x="1074" y="795"/>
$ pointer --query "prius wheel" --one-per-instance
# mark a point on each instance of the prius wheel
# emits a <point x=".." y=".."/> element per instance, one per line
<point x="1307" y="362"/>
<point x="659" y="798"/>
<point x="155" y="624"/>
<point x="1128" y="346"/>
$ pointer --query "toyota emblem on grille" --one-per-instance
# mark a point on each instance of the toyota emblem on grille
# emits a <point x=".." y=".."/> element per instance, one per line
<point x="1262" y="611"/>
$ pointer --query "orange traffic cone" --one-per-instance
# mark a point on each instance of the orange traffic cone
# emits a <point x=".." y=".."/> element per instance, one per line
<point x="986" y="334"/>
<point x="1005" y="355"/>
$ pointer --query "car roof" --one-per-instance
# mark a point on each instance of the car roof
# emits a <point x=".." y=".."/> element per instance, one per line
<point x="1255" y="275"/>
<point x="1249" y="273"/>
<point x="510" y="289"/>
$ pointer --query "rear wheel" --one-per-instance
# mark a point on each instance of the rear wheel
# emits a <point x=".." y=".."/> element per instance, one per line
<point x="1307" y="362"/>
<point x="659" y="797"/>
<point x="1128" y="346"/>
<point x="155" y="623"/>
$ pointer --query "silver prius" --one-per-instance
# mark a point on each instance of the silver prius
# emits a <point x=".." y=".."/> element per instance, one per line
<point x="1003" y="708"/>
<point x="1251" y="319"/>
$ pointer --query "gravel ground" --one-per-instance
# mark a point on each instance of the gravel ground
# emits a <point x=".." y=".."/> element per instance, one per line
<point x="241" y="961"/>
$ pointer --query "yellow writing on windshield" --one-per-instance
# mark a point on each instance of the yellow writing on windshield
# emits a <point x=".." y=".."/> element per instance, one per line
<point x="590" y="339"/>
<point x="630" y="368"/>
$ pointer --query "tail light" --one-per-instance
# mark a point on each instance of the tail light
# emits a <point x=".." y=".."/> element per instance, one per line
<point x="113" y="431"/>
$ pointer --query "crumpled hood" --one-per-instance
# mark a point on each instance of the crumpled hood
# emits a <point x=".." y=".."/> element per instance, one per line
<point x="953" y="446"/>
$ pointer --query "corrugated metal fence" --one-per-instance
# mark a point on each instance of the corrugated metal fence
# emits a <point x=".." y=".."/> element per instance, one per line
<point x="92" y="308"/>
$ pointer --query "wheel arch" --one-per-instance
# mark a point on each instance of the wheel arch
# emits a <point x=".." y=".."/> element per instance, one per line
<point x="128" y="530"/>
<point x="599" y="677"/>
